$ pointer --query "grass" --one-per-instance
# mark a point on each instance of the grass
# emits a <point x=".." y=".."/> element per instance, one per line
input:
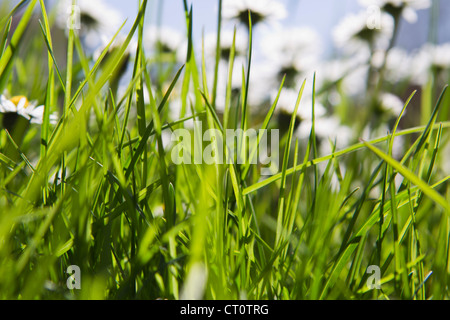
<point x="99" y="190"/>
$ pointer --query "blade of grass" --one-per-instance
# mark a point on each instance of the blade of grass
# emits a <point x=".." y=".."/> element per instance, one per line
<point x="226" y="113"/>
<point x="281" y="203"/>
<point x="264" y="127"/>
<point x="50" y="96"/>
<point x="218" y="53"/>
<point x="431" y="122"/>
<point x="22" y="155"/>
<point x="337" y="154"/>
<point x="143" y="141"/>
<point x="13" y="11"/>
<point x="426" y="189"/>
<point x="7" y="58"/>
<point x="244" y="113"/>
<point x="5" y="37"/>
<point x="52" y="55"/>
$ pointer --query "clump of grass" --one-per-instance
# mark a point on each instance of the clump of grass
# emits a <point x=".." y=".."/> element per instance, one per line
<point x="99" y="190"/>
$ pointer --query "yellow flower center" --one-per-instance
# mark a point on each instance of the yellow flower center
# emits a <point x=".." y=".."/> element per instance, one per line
<point x="16" y="100"/>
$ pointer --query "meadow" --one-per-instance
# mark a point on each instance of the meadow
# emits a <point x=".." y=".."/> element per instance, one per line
<point x="356" y="207"/>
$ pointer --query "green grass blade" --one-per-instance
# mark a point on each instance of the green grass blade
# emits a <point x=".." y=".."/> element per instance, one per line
<point x="426" y="189"/>
<point x="143" y="141"/>
<point x="218" y="53"/>
<point x="11" y="50"/>
<point x="244" y="113"/>
<point x="264" y="127"/>
<point x="50" y="50"/>
<point x="337" y="154"/>
<point x="13" y="11"/>
<point x="281" y="203"/>
<point x="5" y="37"/>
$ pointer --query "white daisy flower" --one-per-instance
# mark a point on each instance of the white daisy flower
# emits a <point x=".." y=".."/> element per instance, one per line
<point x="440" y="55"/>
<point x="166" y="40"/>
<point x="226" y="42"/>
<point x="334" y="70"/>
<point x="353" y="32"/>
<point x="222" y="80"/>
<point x="391" y="104"/>
<point x="94" y="19"/>
<point x="259" y="84"/>
<point x="175" y="107"/>
<point x="261" y="11"/>
<point x="398" y="149"/>
<point x="429" y="57"/>
<point x="293" y="42"/>
<point x="350" y="72"/>
<point x="355" y="83"/>
<point x="288" y="99"/>
<point x="406" y="8"/>
<point x="399" y="65"/>
<point x="293" y="52"/>
<point x="19" y="105"/>
<point x="326" y="129"/>
<point x="118" y="42"/>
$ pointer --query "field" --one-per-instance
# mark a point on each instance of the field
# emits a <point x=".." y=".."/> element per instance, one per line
<point x="116" y="183"/>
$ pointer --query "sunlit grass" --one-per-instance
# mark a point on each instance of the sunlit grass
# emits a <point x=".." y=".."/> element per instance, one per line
<point x="99" y="189"/>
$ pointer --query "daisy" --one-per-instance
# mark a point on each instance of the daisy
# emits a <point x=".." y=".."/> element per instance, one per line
<point x="20" y="106"/>
<point x="391" y="104"/>
<point x="260" y="84"/>
<point x="430" y="57"/>
<point x="117" y="43"/>
<point x="175" y="110"/>
<point x="406" y="8"/>
<point x="287" y="101"/>
<point x="115" y="46"/>
<point x="439" y="55"/>
<point x="293" y="52"/>
<point x="353" y="32"/>
<point x="222" y="81"/>
<point x="399" y="65"/>
<point x="354" y="83"/>
<point x="327" y="129"/>
<point x="334" y="70"/>
<point x="286" y="106"/>
<point x="292" y="41"/>
<point x="370" y="132"/>
<point x="226" y="42"/>
<point x="165" y="40"/>
<point x="269" y="11"/>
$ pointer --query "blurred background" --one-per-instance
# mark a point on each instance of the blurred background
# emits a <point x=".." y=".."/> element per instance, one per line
<point x="358" y="68"/>
<point x="321" y="15"/>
